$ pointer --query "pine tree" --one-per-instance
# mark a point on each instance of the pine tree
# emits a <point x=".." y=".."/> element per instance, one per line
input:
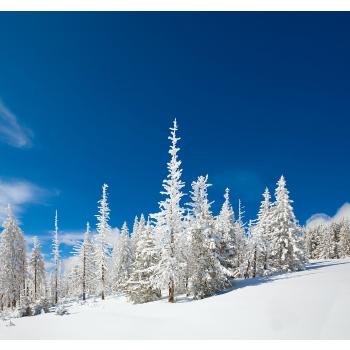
<point x="37" y="269"/>
<point x="12" y="262"/>
<point x="262" y="235"/>
<point x="102" y="247"/>
<point x="240" y="237"/>
<point x="56" y="261"/>
<point x="287" y="252"/>
<point x="345" y="239"/>
<point x="169" y="223"/>
<point x="86" y="267"/>
<point x="139" y="288"/>
<point x="225" y="234"/>
<point x="335" y="228"/>
<point x="313" y="241"/>
<point x="248" y="265"/>
<point x="207" y="275"/>
<point x="122" y="260"/>
<point x="134" y="236"/>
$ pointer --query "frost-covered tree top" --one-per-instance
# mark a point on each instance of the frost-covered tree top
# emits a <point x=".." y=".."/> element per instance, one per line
<point x="226" y="212"/>
<point x="103" y="227"/>
<point x="173" y="184"/>
<point x="200" y="206"/>
<point x="12" y="260"/>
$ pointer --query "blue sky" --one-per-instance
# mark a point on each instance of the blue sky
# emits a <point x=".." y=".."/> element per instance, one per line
<point x="88" y="98"/>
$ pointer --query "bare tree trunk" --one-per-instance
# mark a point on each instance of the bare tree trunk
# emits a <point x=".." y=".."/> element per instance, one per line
<point x="254" y="264"/>
<point x="84" y="275"/>
<point x="103" y="284"/>
<point x="35" y="282"/>
<point x="171" y="298"/>
<point x="56" y="286"/>
<point x="246" y="274"/>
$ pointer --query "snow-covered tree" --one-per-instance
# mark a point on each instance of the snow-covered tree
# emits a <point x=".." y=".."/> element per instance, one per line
<point x="262" y="236"/>
<point x="345" y="239"/>
<point x="101" y="244"/>
<point x="169" y="224"/>
<point x="12" y="262"/>
<point x="314" y="238"/>
<point x="287" y="250"/>
<point x="139" y="288"/>
<point x="240" y="237"/>
<point x="206" y="274"/>
<point x="122" y="260"/>
<point x="225" y="234"/>
<point x="37" y="270"/>
<point x="86" y="267"/>
<point x="56" y="261"/>
<point x="134" y="236"/>
<point x="248" y="265"/>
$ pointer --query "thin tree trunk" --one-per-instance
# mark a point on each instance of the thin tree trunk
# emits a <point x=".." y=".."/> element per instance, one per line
<point x="56" y="286"/>
<point x="254" y="265"/>
<point x="171" y="298"/>
<point x="103" y="284"/>
<point x="84" y="275"/>
<point x="35" y="282"/>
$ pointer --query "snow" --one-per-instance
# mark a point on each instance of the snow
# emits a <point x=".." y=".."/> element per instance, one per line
<point x="311" y="304"/>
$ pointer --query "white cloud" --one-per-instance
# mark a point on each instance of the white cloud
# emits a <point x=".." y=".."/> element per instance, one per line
<point x="342" y="213"/>
<point x="11" y="132"/>
<point x="70" y="238"/>
<point x="69" y="263"/>
<point x="18" y="193"/>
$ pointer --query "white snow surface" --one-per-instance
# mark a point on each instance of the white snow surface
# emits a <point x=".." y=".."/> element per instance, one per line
<point x="311" y="304"/>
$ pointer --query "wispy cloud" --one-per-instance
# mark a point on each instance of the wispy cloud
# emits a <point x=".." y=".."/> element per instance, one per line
<point x="19" y="193"/>
<point x="342" y="213"/>
<point x="70" y="238"/>
<point x="11" y="132"/>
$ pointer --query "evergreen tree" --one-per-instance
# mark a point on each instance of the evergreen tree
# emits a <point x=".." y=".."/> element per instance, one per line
<point x="37" y="269"/>
<point x="12" y="262"/>
<point x="101" y="245"/>
<point x="56" y="261"/>
<point x="287" y="253"/>
<point x="169" y="224"/>
<point x="262" y="235"/>
<point x="121" y="260"/>
<point x="345" y="239"/>
<point x="225" y="234"/>
<point x="240" y="237"/>
<point x="207" y="275"/>
<point x="134" y="236"/>
<point x="139" y="288"/>
<point x="335" y="228"/>
<point x="313" y="241"/>
<point x="86" y="266"/>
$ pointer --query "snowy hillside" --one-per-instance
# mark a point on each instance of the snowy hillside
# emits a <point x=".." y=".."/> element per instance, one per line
<point x="314" y="304"/>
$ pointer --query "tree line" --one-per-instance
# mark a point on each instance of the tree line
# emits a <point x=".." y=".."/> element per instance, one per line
<point x="182" y="249"/>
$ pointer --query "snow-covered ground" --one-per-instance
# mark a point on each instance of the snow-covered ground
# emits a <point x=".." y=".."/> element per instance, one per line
<point x="312" y="304"/>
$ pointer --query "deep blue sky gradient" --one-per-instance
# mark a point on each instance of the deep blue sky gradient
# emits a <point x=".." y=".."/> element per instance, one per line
<point x="255" y="94"/>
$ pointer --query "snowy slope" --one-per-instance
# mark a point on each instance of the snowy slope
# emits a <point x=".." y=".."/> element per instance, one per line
<point x="310" y="304"/>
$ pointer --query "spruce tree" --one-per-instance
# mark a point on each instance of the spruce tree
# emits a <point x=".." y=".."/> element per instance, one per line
<point x="169" y="224"/>
<point x="225" y="234"/>
<point x="56" y="261"/>
<point x="102" y="246"/>
<point x="122" y="260"/>
<point x="37" y="270"/>
<point x="12" y="262"/>
<point x="139" y="288"/>
<point x="86" y="267"/>
<point x="287" y="251"/>
<point x="207" y="275"/>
